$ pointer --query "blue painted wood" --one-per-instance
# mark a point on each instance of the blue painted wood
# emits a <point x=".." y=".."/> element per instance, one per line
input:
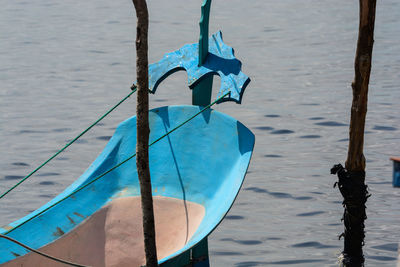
<point x="182" y="260"/>
<point x="201" y="93"/>
<point x="396" y="172"/>
<point x="203" y="40"/>
<point x="200" y="256"/>
<point x="220" y="61"/>
<point x="204" y="161"/>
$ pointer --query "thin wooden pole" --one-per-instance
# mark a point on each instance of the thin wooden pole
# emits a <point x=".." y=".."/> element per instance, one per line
<point x="142" y="129"/>
<point x="362" y="67"/>
<point x="352" y="177"/>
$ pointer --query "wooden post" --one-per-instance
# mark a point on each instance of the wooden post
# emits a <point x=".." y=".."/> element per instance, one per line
<point x="352" y="178"/>
<point x="142" y="142"/>
<point x="362" y="66"/>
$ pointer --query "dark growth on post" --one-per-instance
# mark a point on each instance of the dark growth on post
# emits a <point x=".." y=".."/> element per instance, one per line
<point x="352" y="178"/>
<point x="142" y="142"/>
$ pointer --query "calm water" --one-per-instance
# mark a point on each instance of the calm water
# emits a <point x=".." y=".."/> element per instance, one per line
<point x="63" y="63"/>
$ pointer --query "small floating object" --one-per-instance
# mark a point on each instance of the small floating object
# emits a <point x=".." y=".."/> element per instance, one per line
<point x="396" y="171"/>
<point x="198" y="160"/>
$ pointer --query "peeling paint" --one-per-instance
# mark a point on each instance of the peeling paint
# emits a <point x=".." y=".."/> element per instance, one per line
<point x="15" y="254"/>
<point x="59" y="232"/>
<point x="71" y="220"/>
<point x="79" y="215"/>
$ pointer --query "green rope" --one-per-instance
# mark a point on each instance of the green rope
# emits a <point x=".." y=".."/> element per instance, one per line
<point x="41" y="253"/>
<point x="67" y="145"/>
<point x="116" y="166"/>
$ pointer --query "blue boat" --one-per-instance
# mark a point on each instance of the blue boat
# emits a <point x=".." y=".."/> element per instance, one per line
<point x="198" y="160"/>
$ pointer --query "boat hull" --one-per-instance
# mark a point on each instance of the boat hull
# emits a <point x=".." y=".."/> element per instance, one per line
<point x="204" y="162"/>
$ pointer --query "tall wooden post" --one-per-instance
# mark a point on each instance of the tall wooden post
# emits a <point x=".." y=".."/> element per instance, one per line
<point x="142" y="129"/>
<point x="352" y="178"/>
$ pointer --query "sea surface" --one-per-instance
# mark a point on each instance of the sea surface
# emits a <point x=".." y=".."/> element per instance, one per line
<point x="64" y="63"/>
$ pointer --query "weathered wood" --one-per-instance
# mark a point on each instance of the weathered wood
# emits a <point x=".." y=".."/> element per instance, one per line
<point x="352" y="181"/>
<point x="142" y="143"/>
<point x="362" y="67"/>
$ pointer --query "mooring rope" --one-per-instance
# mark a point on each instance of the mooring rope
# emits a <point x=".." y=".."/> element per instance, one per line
<point x="118" y="165"/>
<point x="70" y="143"/>
<point x="41" y="253"/>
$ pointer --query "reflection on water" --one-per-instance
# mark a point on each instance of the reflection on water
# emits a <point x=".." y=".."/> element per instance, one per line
<point x="64" y="63"/>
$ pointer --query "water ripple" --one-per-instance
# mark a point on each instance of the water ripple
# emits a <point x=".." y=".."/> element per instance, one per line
<point x="330" y="123"/>
<point x="384" y="128"/>
<point x="312" y="244"/>
<point x="283" y="131"/>
<point x="13" y="177"/>
<point x="234" y="217"/>
<point x="387" y="247"/>
<point x="264" y="128"/>
<point x="311" y="136"/>
<point x="225" y="253"/>
<point x="284" y="262"/>
<point x="48" y="174"/>
<point x="381" y="258"/>
<point x="243" y="242"/>
<point x="316" y="118"/>
<point x="306" y="214"/>
<point x="272" y="156"/>
<point x="62" y="130"/>
<point x="103" y="138"/>
<point x="277" y="194"/>
<point x="272" y="116"/>
<point x="22" y="164"/>
<point x="47" y="183"/>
